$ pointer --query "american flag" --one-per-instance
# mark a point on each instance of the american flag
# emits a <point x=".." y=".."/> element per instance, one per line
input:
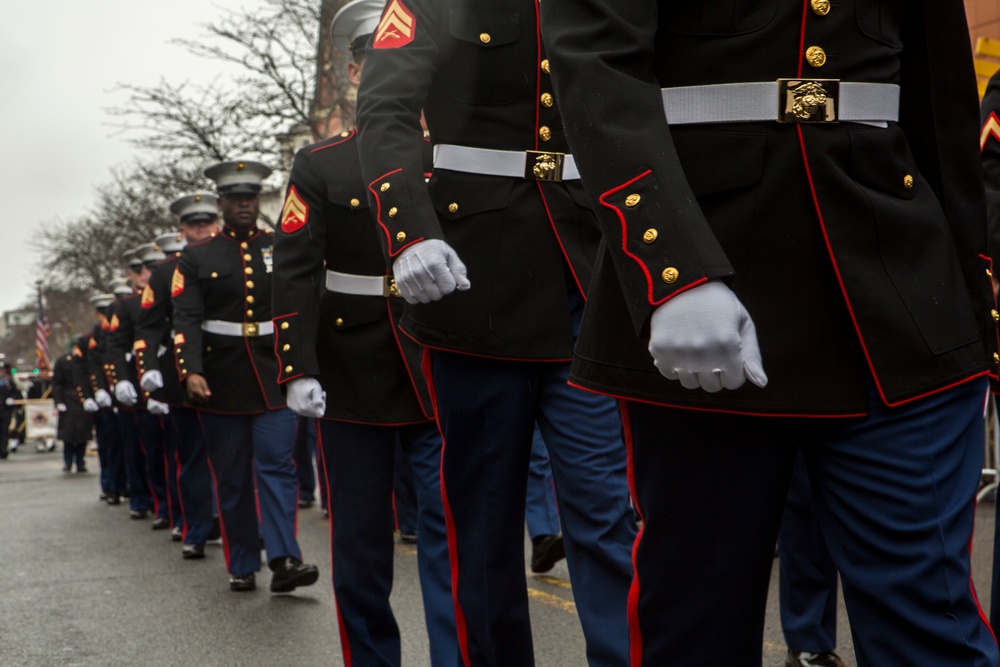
<point x="42" y="336"/>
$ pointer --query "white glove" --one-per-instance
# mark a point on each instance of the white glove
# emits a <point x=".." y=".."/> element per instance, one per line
<point x="61" y="407"/>
<point x="429" y="270"/>
<point x="151" y="381"/>
<point x="103" y="398"/>
<point x="125" y="393"/>
<point x="306" y="397"/>
<point x="9" y="401"/>
<point x="157" y="408"/>
<point x="705" y="338"/>
<point x="91" y="406"/>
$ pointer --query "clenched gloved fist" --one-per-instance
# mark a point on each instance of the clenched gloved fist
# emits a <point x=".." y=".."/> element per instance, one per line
<point x="91" y="406"/>
<point x="103" y="398"/>
<point x="61" y="407"/>
<point x="9" y="401"/>
<point x="704" y="337"/>
<point x="428" y="271"/>
<point x="157" y="408"/>
<point x="306" y="397"/>
<point x="125" y="393"/>
<point x="151" y="380"/>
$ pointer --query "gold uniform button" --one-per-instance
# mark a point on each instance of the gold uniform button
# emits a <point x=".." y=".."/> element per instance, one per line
<point x="633" y="200"/>
<point x="815" y="56"/>
<point x="996" y="315"/>
<point x="670" y="275"/>
<point x="545" y="133"/>
<point x="545" y="66"/>
<point x="339" y="322"/>
<point x="820" y="7"/>
<point x="288" y="369"/>
<point x="485" y="38"/>
<point x="249" y="313"/>
<point x="548" y="100"/>
<point x="178" y="350"/>
<point x="250" y="299"/>
<point x="453" y="207"/>
<point x="908" y="182"/>
<point x="247" y="258"/>
<point x="214" y="274"/>
<point x="355" y="203"/>
<point x="400" y="237"/>
<point x="393" y="211"/>
<point x="996" y="358"/>
<point x="286" y="347"/>
<point x="989" y="274"/>
<point x="180" y="361"/>
<point x="345" y="134"/>
<point x="248" y="270"/>
<point x="284" y="326"/>
<point x="650" y="236"/>
<point x="244" y="245"/>
<point x="384" y="187"/>
<point x="249" y="284"/>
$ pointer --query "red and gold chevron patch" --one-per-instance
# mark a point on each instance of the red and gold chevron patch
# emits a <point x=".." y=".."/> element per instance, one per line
<point x="179" y="339"/>
<point x="177" y="283"/>
<point x="92" y="345"/>
<point x="148" y="298"/>
<point x="990" y="129"/>
<point x="397" y="27"/>
<point x="115" y="323"/>
<point x="295" y="214"/>
<point x="139" y="345"/>
<point x="77" y="352"/>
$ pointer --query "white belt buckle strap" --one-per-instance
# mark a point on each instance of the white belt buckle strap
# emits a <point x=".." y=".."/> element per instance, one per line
<point x="244" y="329"/>
<point x="551" y="166"/>
<point x="797" y="100"/>
<point x="350" y="283"/>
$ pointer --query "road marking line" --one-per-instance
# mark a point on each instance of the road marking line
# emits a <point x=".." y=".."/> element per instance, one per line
<point x="552" y="600"/>
<point x="552" y="581"/>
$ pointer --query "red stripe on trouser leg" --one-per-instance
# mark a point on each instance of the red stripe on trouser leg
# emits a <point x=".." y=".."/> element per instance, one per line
<point x="634" y="628"/>
<point x="972" y="587"/>
<point x="345" y="643"/>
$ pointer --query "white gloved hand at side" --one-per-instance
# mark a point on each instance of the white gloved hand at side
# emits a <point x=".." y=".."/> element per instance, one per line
<point x="704" y="337"/>
<point x="157" y="408"/>
<point x="103" y="398"/>
<point x="306" y="397"/>
<point x="91" y="406"/>
<point x="125" y="393"/>
<point x="61" y="407"/>
<point x="428" y="271"/>
<point x="151" y="380"/>
<point x="9" y="402"/>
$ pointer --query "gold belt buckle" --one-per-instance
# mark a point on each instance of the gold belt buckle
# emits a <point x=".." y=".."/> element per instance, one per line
<point x="808" y="100"/>
<point x="389" y="287"/>
<point x="544" y="166"/>
<point x="250" y="329"/>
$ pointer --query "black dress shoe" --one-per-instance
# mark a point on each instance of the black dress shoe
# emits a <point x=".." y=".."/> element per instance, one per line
<point x="81" y="469"/>
<point x="326" y="513"/>
<point x="290" y="573"/>
<point x="113" y="499"/>
<point x="103" y="497"/>
<point x="408" y="536"/>
<point x="546" y="551"/>
<point x="160" y="523"/>
<point x="242" y="582"/>
<point x="138" y="514"/>
<point x="305" y="503"/>
<point x="806" y="659"/>
<point x="177" y="534"/>
<point x="190" y="551"/>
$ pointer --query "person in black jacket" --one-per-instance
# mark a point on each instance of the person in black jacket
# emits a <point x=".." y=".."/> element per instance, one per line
<point x="794" y="253"/>
<point x="75" y="426"/>
<point x="9" y="393"/>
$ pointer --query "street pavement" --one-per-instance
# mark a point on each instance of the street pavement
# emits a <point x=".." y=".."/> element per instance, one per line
<point x="83" y="585"/>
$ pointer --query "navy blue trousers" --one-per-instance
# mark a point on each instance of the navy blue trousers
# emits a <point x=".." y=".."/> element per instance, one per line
<point x="404" y="492"/>
<point x="194" y="481"/>
<point x="110" y="453"/>
<point x="807" y="586"/>
<point x="305" y="454"/>
<point x="358" y="461"/>
<point x="251" y="460"/>
<point x="487" y="409"/>
<point x="540" y="512"/>
<point x="895" y="502"/>
<point x="139" y="497"/>
<point x="156" y="438"/>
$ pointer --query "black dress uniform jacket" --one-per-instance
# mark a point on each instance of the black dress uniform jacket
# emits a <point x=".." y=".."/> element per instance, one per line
<point x="75" y="425"/>
<point x="153" y="333"/>
<point x="859" y="251"/>
<point x="119" y="355"/>
<point x="227" y="277"/>
<point x="368" y="368"/>
<point x="477" y="68"/>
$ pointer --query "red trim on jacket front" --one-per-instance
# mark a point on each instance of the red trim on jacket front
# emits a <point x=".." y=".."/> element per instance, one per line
<point x="402" y="356"/>
<point x="351" y="135"/>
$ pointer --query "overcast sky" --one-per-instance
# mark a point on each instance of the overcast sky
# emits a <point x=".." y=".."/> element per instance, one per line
<point x="59" y="63"/>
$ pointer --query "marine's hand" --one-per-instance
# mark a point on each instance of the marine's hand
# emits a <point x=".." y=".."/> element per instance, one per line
<point x="705" y="338"/>
<point x="103" y="398"/>
<point x="125" y="393"/>
<point x="91" y="406"/>
<point x="151" y="380"/>
<point x="429" y="270"/>
<point x="197" y="388"/>
<point x="306" y="397"/>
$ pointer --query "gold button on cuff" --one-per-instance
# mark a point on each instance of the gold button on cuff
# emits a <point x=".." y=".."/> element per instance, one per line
<point x="248" y="270"/>
<point x="393" y="211"/>
<point x="345" y="134"/>
<point x="820" y="7"/>
<point x="247" y="258"/>
<point x="249" y="284"/>
<point x="670" y="275"/>
<point x="384" y="187"/>
<point x="485" y="38"/>
<point x="400" y="237"/>
<point x="908" y="182"/>
<point x="180" y="361"/>
<point x="355" y="203"/>
<point x="815" y="56"/>
<point x="286" y="347"/>
<point x="288" y="369"/>
<point x="995" y="314"/>
<point x="250" y="299"/>
<point x="339" y="322"/>
<point x="650" y="236"/>
<point x="453" y="207"/>
<point x="214" y="274"/>
<point x="996" y="358"/>
<point x="545" y="66"/>
<point x="178" y="350"/>
<point x="545" y="133"/>
<point x="989" y="273"/>
<point x="548" y="100"/>
<point x="244" y="245"/>
<point x="632" y="200"/>
<point x="284" y="326"/>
